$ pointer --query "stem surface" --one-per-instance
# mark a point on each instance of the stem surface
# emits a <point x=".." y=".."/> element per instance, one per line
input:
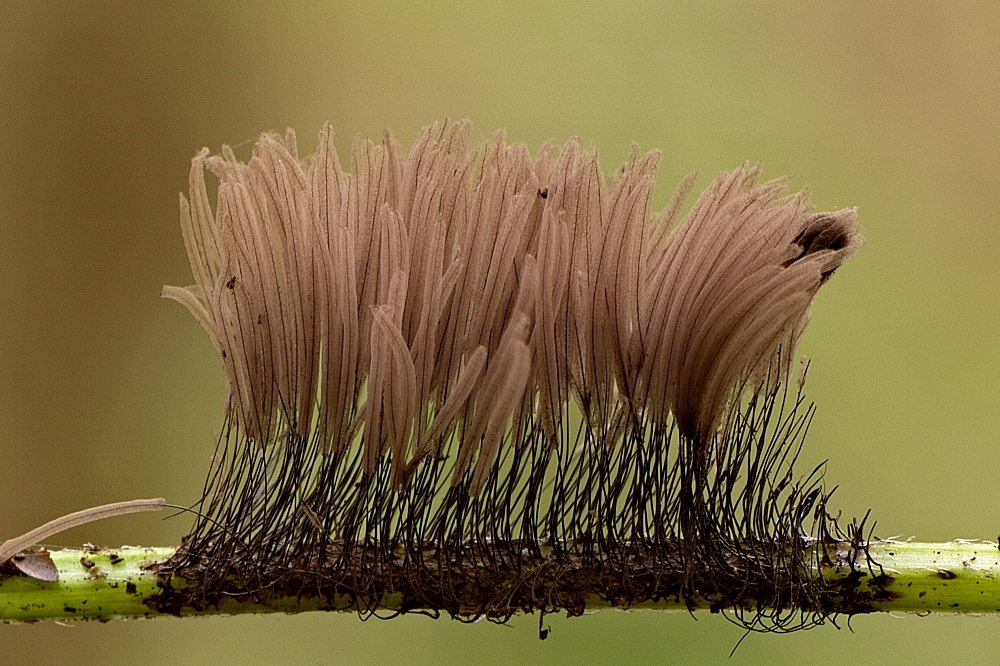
<point x="954" y="577"/>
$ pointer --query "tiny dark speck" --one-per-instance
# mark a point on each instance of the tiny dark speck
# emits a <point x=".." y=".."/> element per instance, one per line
<point x="130" y="587"/>
<point x="544" y="193"/>
<point x="922" y="593"/>
<point x="69" y="609"/>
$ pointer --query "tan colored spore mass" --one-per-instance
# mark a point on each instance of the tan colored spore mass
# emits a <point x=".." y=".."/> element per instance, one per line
<point x="483" y="293"/>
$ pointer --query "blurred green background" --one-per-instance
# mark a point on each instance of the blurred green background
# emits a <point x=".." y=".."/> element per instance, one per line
<point x="108" y="393"/>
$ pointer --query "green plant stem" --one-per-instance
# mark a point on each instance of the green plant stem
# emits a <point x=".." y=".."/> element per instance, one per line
<point x="956" y="577"/>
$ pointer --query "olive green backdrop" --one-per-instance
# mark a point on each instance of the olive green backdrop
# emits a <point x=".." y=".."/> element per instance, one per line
<point x="108" y="393"/>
